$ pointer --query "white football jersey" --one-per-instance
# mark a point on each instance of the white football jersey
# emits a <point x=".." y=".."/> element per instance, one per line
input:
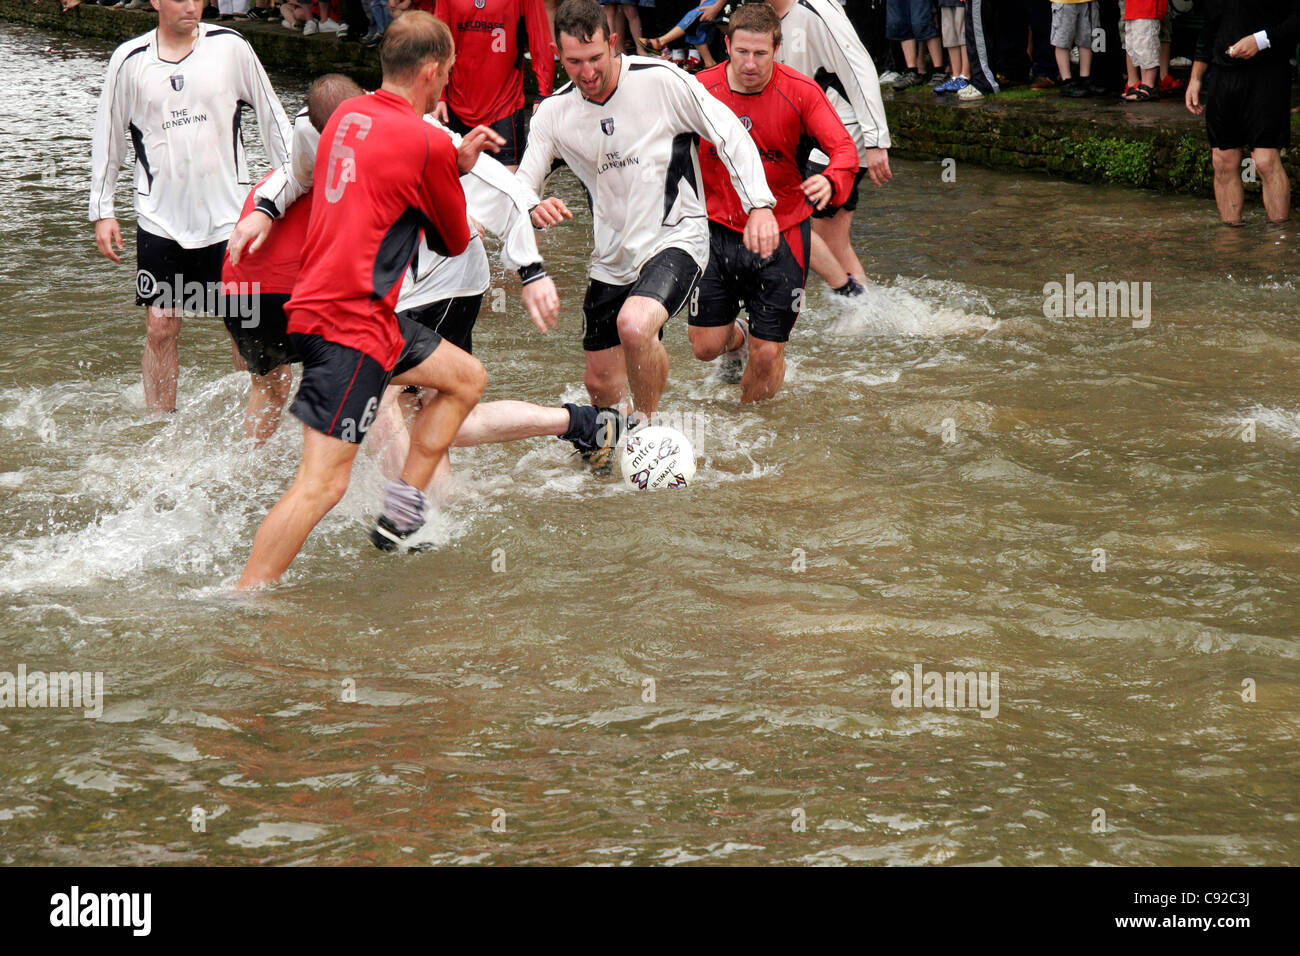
<point x="183" y="118"/>
<point x="494" y="198"/>
<point x="818" y="40"/>
<point x="636" y="155"/>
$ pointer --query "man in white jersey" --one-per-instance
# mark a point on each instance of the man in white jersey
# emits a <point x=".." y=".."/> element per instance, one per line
<point x="180" y="89"/>
<point x="628" y="127"/>
<point x="821" y="43"/>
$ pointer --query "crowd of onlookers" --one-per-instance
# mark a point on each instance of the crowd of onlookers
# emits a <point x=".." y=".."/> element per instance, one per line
<point x="970" y="48"/>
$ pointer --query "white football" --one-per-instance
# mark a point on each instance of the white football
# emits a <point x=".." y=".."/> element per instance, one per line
<point x="656" y="456"/>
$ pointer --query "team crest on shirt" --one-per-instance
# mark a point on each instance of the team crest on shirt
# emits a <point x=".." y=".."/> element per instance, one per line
<point x="178" y="82"/>
<point x="746" y="122"/>
<point x="480" y="4"/>
<point x="607" y="126"/>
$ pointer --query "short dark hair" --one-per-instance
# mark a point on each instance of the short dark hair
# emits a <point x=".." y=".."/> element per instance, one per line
<point x="756" y="18"/>
<point x="410" y="40"/>
<point x="326" y="93"/>
<point x="580" y="19"/>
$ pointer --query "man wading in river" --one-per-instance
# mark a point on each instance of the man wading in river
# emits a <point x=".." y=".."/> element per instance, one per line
<point x="181" y="90"/>
<point x="627" y="126"/>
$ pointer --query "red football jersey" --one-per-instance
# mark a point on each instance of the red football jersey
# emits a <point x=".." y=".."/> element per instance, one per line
<point x="274" y="267"/>
<point x="382" y="175"/>
<point x="487" y="82"/>
<point x="785" y="119"/>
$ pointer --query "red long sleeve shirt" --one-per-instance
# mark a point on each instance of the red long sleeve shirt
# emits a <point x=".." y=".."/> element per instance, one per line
<point x="275" y="265"/>
<point x="487" y="81"/>
<point x="785" y="119"/>
<point x="382" y="177"/>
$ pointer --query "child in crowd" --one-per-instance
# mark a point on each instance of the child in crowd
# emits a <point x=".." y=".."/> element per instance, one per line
<point x="1073" y="23"/>
<point x="952" y="28"/>
<point x="1140" y="32"/>
<point x="697" y="26"/>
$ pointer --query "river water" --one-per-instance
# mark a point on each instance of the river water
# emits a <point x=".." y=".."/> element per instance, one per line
<point x="951" y="479"/>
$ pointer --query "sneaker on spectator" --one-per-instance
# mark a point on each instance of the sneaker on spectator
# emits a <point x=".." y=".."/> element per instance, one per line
<point x="1170" y="84"/>
<point x="1180" y="62"/>
<point x="693" y="63"/>
<point x="136" y="5"/>
<point x="907" y="81"/>
<point x="329" y="26"/>
<point x="939" y="78"/>
<point x="1042" y="83"/>
<point x="288" y="24"/>
<point x="1075" y="89"/>
<point x="970" y="92"/>
<point x="373" y="38"/>
<point x="889" y="76"/>
<point x="946" y="86"/>
<point x="959" y="83"/>
<point x="310" y="27"/>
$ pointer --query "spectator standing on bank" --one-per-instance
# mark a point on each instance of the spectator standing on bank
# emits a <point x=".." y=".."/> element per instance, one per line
<point x="952" y="29"/>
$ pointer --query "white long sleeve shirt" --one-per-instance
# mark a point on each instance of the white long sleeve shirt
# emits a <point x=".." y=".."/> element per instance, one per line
<point x="818" y="40"/>
<point x="636" y="155"/>
<point x="191" y="175"/>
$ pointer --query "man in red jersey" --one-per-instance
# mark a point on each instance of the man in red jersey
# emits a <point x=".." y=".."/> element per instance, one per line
<point x="257" y="286"/>
<point x="383" y="177"/>
<point x="488" y="89"/>
<point x="785" y="113"/>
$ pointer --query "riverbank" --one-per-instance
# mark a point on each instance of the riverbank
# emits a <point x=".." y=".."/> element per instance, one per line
<point x="1153" y="145"/>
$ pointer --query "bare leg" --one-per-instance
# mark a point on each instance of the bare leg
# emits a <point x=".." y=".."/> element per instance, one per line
<point x="639" y="322"/>
<point x="499" y="421"/>
<point x="321" y="481"/>
<point x="1063" y="63"/>
<point x="1085" y="62"/>
<point x="633" y="16"/>
<point x="909" y="53"/>
<point x="1277" y="187"/>
<point x="161" y="362"/>
<point x="606" y="377"/>
<point x="705" y="54"/>
<point x="935" y="46"/>
<point x="710" y="341"/>
<point x="266" y="400"/>
<point x="823" y="261"/>
<point x="835" y="233"/>
<point x="460" y="380"/>
<point x="764" y="372"/>
<point x="1229" y="193"/>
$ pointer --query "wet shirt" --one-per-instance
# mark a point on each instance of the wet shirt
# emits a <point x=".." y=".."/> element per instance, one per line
<point x="276" y="263"/>
<point x="487" y="81"/>
<point x="382" y="177"/>
<point x="637" y="156"/>
<point x="785" y="119"/>
<point x="184" y="121"/>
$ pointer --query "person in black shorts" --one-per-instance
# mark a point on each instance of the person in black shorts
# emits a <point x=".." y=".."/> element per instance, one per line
<point x="511" y="128"/>
<point x="667" y="277"/>
<point x="1241" y="82"/>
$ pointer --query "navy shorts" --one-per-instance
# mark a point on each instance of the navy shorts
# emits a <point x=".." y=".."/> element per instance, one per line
<point x="341" y="387"/>
<point x="260" y="329"/>
<point x="1248" y="109"/>
<point x="453" y="319"/>
<point x="169" y="276"/>
<point x="850" y="201"/>
<point x="770" y="289"/>
<point x="668" y="277"/>
<point x="512" y="129"/>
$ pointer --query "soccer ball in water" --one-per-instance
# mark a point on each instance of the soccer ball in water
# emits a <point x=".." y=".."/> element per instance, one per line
<point x="656" y="456"/>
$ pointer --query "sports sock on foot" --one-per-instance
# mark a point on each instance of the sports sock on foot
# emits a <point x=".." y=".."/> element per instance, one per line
<point x="850" y="289"/>
<point x="404" y="506"/>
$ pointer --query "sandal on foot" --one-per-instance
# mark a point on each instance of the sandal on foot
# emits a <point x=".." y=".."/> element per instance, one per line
<point x="1130" y="93"/>
<point x="652" y="44"/>
<point x="1147" y="94"/>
